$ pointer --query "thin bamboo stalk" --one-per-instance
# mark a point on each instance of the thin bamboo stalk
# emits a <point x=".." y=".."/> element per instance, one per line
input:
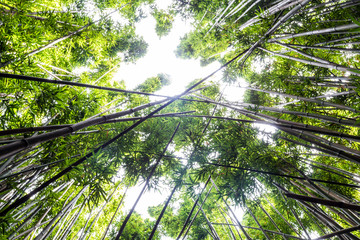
<point x="316" y="32"/>
<point x="162" y="212"/>
<point x="113" y="217"/>
<point x="227" y="205"/>
<point x="257" y="222"/>
<point x="196" y="214"/>
<point x="325" y="48"/>
<point x="12" y="148"/>
<point x="54" y="42"/>
<point x="317" y="64"/>
<point x="76" y="84"/>
<point x="123" y="225"/>
<point x="192" y="209"/>
<point x="284" y="175"/>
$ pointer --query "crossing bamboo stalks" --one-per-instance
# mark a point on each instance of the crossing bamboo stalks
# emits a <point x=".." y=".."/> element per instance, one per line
<point x="338" y="40"/>
<point x="227" y="205"/>
<point x="56" y="41"/>
<point x="285" y="175"/>
<point x="270" y="11"/>
<point x="65" y="209"/>
<point x="305" y="114"/>
<point x="12" y="148"/>
<point x="55" y="127"/>
<point x="123" y="225"/>
<point x="317" y="64"/>
<point x="68" y="83"/>
<point x="271" y="219"/>
<point x="257" y="222"/>
<point x="266" y="230"/>
<point x="316" y="32"/>
<point x="200" y="207"/>
<point x="108" y="199"/>
<point x="113" y="216"/>
<point x="338" y="233"/>
<point x="192" y="210"/>
<point x="25" y="198"/>
<point x="162" y="212"/>
<point x="324" y="48"/>
<point x="222" y="211"/>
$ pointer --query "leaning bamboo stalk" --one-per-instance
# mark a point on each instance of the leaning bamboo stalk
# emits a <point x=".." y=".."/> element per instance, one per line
<point x="324" y="48"/>
<point x="55" y="127"/>
<point x="100" y="211"/>
<point x="274" y="28"/>
<point x="323" y="201"/>
<point x="284" y="175"/>
<point x="65" y="209"/>
<point x="266" y="230"/>
<point x="316" y="59"/>
<point x="322" y="148"/>
<point x="257" y="222"/>
<point x="71" y="224"/>
<point x="29" y="216"/>
<point x="54" y="42"/>
<point x="76" y="84"/>
<point x="328" y="195"/>
<point x="113" y="217"/>
<point x="123" y="225"/>
<point x="338" y="40"/>
<point x="340" y="232"/>
<point x="316" y="32"/>
<point x="271" y="11"/>
<point x="213" y="230"/>
<point x="344" y="152"/>
<point x="324" y="96"/>
<point x="162" y="212"/>
<point x="305" y="114"/>
<point x="196" y="214"/>
<point x="330" y="171"/>
<point x="86" y="223"/>
<point x="270" y="218"/>
<point x="222" y="211"/>
<point x="12" y="148"/>
<point x="281" y="216"/>
<point x="317" y="64"/>
<point x="334" y="168"/>
<point x="320" y="102"/>
<point x="192" y="209"/>
<point x="38" y="224"/>
<point x="227" y="205"/>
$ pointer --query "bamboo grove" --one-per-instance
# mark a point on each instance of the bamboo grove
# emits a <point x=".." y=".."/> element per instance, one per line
<point x="74" y="140"/>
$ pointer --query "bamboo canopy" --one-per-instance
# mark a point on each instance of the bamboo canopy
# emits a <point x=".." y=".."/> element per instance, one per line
<point x="280" y="161"/>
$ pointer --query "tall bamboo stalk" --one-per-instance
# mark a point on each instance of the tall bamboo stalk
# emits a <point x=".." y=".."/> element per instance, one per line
<point x="123" y="225"/>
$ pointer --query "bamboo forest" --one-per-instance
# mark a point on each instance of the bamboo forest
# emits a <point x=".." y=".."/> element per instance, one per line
<point x="280" y="161"/>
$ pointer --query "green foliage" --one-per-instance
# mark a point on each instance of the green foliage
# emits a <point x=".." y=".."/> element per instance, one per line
<point x="164" y="21"/>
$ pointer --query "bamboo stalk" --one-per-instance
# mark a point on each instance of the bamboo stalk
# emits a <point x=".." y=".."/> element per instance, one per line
<point x="113" y="217"/>
<point x="316" y="32"/>
<point x="162" y="212"/>
<point x="323" y="201"/>
<point x="317" y="64"/>
<point x="237" y="221"/>
<point x="325" y="48"/>
<point x="257" y="222"/>
<point x="145" y="186"/>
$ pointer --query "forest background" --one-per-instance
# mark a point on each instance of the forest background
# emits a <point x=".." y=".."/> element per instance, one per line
<point x="74" y="140"/>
